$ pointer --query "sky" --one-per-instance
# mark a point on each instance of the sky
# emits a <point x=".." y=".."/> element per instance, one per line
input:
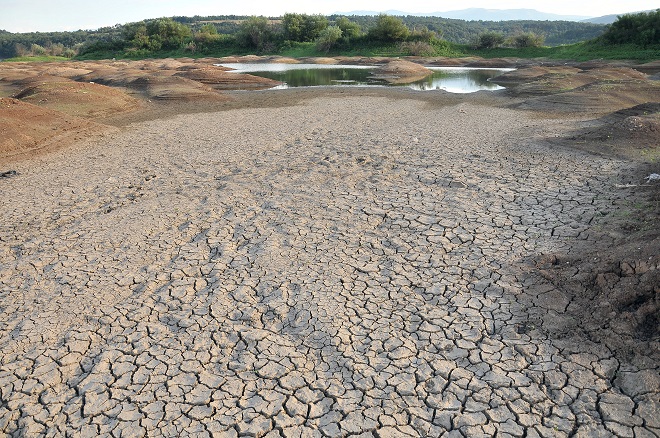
<point x="61" y="15"/>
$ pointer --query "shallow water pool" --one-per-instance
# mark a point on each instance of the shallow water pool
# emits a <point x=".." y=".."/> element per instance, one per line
<point x="451" y="79"/>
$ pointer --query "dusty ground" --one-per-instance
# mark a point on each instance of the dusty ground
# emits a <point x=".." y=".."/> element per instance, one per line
<point x="374" y="262"/>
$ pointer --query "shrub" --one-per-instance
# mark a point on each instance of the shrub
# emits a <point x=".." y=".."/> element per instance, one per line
<point x="156" y="34"/>
<point x="257" y="33"/>
<point x="417" y="48"/>
<point x="328" y="38"/>
<point x="167" y="33"/>
<point x="423" y="35"/>
<point x="389" y="29"/>
<point x="206" y="38"/>
<point x="302" y="27"/>
<point x="528" y="39"/>
<point x="349" y="29"/>
<point x="209" y="29"/>
<point x="489" y="40"/>
<point x="69" y="53"/>
<point x="37" y="50"/>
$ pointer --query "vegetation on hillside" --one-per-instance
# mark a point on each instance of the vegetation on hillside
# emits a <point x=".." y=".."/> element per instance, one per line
<point x="641" y="29"/>
<point x="631" y="36"/>
<point x="229" y="31"/>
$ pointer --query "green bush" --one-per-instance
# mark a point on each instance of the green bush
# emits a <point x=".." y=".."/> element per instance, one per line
<point x="528" y="39"/>
<point x="329" y="37"/>
<point x="422" y="35"/>
<point x="389" y="29"/>
<point x="417" y="48"/>
<point x="642" y="29"/>
<point x="163" y="33"/>
<point x="208" y="28"/>
<point x="37" y="50"/>
<point x="349" y="29"/>
<point x="167" y="33"/>
<point x="256" y="33"/>
<point x="302" y="27"/>
<point x="489" y="40"/>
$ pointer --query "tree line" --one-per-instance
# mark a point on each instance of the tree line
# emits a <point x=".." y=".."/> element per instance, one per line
<point x="412" y="34"/>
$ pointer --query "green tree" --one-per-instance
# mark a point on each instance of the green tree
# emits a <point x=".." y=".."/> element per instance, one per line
<point x="527" y="39"/>
<point x="256" y="33"/>
<point x="136" y="35"/>
<point x="207" y="34"/>
<point x="489" y="40"/>
<point x="208" y="28"/>
<point x="167" y="33"/>
<point x="389" y="29"/>
<point x="163" y="33"/>
<point x="349" y="29"/>
<point x="303" y="27"/>
<point x="328" y="38"/>
<point x="423" y="34"/>
<point x="37" y="50"/>
<point x="642" y="29"/>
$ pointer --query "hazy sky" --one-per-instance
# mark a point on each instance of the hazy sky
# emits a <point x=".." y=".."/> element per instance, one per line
<point x="52" y="15"/>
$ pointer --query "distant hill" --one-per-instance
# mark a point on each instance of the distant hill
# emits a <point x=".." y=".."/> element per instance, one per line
<point x="481" y="14"/>
<point x="608" y="19"/>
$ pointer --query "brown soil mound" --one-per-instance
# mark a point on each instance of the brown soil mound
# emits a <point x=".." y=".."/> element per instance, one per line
<point x="494" y="63"/>
<point x="527" y="74"/>
<point x="78" y="98"/>
<point x="12" y="75"/>
<point x="446" y="62"/>
<point x="229" y="60"/>
<point x="65" y="71"/>
<point x="207" y="61"/>
<point x="174" y="88"/>
<point x="283" y="60"/>
<point x="631" y="133"/>
<point x="600" y="97"/>
<point x="221" y="79"/>
<point x="650" y="68"/>
<point x="168" y="64"/>
<point x="599" y="64"/>
<point x="251" y="58"/>
<point x="198" y="67"/>
<point x="401" y="71"/>
<point x="26" y="128"/>
<point x="321" y="60"/>
<point x="349" y="59"/>
<point x="551" y="80"/>
<point x="101" y="75"/>
<point x="615" y="74"/>
<point x="31" y="81"/>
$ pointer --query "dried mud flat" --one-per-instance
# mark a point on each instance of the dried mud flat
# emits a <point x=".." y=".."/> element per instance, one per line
<point x="330" y="263"/>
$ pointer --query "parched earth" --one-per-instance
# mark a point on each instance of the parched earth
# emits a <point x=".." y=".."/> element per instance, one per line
<point x="377" y="264"/>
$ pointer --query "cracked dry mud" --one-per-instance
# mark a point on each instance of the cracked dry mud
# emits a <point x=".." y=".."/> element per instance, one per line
<point x="344" y="267"/>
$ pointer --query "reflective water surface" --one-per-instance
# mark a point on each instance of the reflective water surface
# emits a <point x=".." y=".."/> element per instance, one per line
<point x="451" y="79"/>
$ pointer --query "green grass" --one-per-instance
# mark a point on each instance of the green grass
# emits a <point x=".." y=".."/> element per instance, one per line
<point x="584" y="51"/>
<point x="36" y="59"/>
<point x="300" y="50"/>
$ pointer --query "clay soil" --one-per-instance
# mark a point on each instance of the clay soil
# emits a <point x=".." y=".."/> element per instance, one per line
<point x="599" y="286"/>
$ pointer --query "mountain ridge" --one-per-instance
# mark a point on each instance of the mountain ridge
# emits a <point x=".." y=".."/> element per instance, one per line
<point x="483" y="14"/>
<point x="611" y="18"/>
